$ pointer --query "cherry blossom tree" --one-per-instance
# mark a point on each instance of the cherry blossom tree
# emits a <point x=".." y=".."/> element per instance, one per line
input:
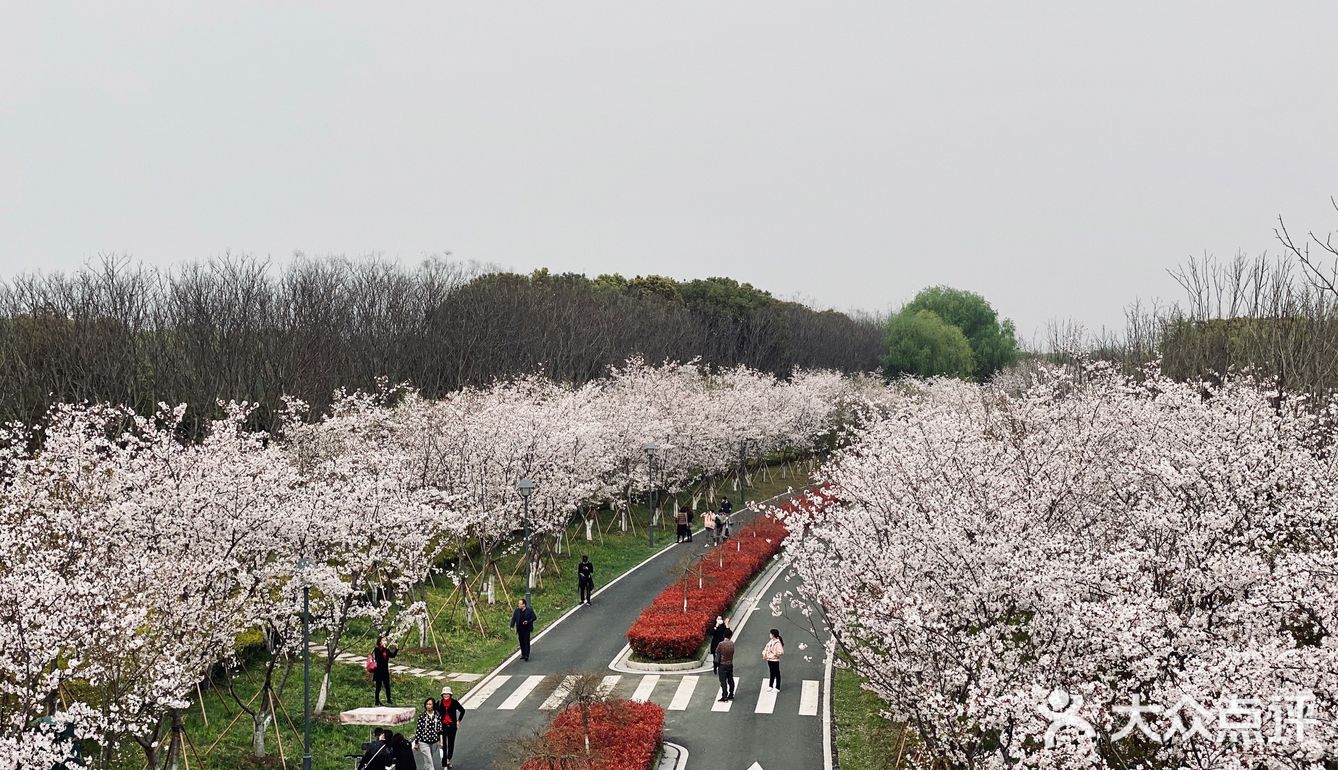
<point x="1091" y="542"/>
<point x="131" y="562"/>
<point x="365" y="514"/>
<point x="143" y="558"/>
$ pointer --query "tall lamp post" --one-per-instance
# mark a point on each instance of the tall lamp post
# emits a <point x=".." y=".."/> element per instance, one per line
<point x="526" y="488"/>
<point x="650" y="484"/>
<point x="743" y="471"/>
<point x="302" y="565"/>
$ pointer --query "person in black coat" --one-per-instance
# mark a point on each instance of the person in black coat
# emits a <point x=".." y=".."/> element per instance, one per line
<point x="376" y="753"/>
<point x="452" y="713"/>
<point x="585" y="578"/>
<point x="726" y="507"/>
<point x="718" y="632"/>
<point x="381" y="674"/>
<point x="522" y="619"/>
<point x="402" y="751"/>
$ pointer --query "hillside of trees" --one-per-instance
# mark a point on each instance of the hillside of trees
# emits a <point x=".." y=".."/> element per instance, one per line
<point x="242" y="328"/>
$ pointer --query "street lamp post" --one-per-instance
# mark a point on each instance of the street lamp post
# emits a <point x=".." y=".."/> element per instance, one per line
<point x="302" y="566"/>
<point x="743" y="473"/>
<point x="526" y="488"/>
<point x="650" y="484"/>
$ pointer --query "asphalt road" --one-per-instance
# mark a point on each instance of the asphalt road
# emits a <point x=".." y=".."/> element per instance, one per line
<point x="758" y="727"/>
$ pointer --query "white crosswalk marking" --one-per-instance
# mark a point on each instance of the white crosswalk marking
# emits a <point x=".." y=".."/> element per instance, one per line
<point x="610" y="682"/>
<point x="808" y="699"/>
<point x="559" y="695"/>
<point x="766" y="700"/>
<point x="475" y="698"/>
<point x="718" y="706"/>
<point x="525" y="688"/>
<point x="646" y="687"/>
<point x="684" y="693"/>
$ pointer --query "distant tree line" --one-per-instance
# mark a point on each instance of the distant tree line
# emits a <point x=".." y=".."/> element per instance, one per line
<point x="1275" y="316"/>
<point x="241" y="328"/>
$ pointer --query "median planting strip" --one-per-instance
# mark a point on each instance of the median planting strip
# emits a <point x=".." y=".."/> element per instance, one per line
<point x="673" y="625"/>
<point x="624" y="735"/>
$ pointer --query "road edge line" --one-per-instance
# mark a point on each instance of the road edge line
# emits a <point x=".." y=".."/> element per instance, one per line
<point x="827" y="706"/>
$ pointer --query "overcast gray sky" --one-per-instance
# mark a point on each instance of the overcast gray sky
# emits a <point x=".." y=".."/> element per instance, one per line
<point x="1056" y="157"/>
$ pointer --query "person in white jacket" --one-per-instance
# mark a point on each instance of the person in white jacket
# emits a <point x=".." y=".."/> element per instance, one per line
<point x="772" y="653"/>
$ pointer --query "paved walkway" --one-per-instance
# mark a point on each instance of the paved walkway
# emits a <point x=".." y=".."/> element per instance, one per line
<point x="349" y="658"/>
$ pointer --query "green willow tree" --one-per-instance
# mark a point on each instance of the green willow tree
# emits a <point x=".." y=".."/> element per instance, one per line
<point x="920" y="343"/>
<point x="920" y="338"/>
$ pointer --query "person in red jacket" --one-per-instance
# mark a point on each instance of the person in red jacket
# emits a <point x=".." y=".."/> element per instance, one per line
<point x="381" y="656"/>
<point x="451" y="713"/>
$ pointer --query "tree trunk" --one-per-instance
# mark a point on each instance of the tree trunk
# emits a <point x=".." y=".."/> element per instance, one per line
<point x="585" y="726"/>
<point x="323" y="692"/>
<point x="259" y="723"/>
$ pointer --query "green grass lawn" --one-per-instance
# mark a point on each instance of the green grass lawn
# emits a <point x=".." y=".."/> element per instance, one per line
<point x="462" y="649"/>
<point x="865" y="739"/>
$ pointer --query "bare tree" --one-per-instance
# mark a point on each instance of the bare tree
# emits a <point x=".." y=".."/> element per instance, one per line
<point x="238" y="327"/>
<point x="1326" y="279"/>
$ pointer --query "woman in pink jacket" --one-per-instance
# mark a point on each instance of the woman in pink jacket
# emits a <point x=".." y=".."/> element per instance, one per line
<point x="772" y="653"/>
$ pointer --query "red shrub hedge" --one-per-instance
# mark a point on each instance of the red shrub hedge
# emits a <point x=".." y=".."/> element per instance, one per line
<point x="665" y="632"/>
<point x="623" y="735"/>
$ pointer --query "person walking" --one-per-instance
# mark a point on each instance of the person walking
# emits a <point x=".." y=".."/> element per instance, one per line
<point x="401" y="752"/>
<point x="452" y="713"/>
<point x="708" y="521"/>
<point x="725" y="666"/>
<point x="585" y="578"/>
<point x="522" y="619"/>
<point x="717" y="636"/>
<point x="376" y="752"/>
<point x="427" y="737"/>
<point x="771" y="653"/>
<point x="381" y="656"/>
<point x="681" y="519"/>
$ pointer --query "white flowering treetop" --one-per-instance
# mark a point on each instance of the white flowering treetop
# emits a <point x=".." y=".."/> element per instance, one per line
<point x="131" y="564"/>
<point x="1106" y="540"/>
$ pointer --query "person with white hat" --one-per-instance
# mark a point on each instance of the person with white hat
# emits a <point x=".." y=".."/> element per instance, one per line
<point x="452" y="713"/>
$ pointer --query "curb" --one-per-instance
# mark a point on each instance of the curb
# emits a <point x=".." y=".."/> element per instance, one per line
<point x="675" y="757"/>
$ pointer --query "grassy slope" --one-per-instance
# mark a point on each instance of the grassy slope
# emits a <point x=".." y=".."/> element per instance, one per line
<point x="865" y="740"/>
<point x="463" y="649"/>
